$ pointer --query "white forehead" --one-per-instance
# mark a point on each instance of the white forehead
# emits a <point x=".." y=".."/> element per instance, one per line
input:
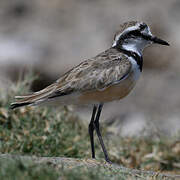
<point x="147" y="31"/>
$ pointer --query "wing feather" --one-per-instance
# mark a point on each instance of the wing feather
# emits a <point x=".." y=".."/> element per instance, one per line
<point x="93" y="74"/>
<point x="100" y="72"/>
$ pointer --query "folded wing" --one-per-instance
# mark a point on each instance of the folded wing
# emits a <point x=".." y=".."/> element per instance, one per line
<point x="93" y="74"/>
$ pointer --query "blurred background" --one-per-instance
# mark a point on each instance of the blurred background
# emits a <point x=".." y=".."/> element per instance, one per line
<point x="50" y="37"/>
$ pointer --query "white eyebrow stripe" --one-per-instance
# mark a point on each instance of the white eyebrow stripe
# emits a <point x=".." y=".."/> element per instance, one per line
<point x="132" y="28"/>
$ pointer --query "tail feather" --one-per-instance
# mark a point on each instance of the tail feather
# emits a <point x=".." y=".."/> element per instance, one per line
<point x="16" y="105"/>
<point x="33" y="99"/>
<point x="38" y="93"/>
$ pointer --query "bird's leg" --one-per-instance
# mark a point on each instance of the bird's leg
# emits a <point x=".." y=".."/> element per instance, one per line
<point x="91" y="130"/>
<point x="96" y="126"/>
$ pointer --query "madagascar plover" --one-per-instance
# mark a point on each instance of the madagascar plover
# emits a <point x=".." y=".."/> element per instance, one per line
<point x="109" y="76"/>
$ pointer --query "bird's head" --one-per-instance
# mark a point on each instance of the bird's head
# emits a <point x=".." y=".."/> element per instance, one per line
<point x="135" y="36"/>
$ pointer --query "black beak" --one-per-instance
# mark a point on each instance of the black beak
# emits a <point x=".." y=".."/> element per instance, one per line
<point x="154" y="39"/>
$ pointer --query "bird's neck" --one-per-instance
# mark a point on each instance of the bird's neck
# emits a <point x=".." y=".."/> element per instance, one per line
<point x="133" y="49"/>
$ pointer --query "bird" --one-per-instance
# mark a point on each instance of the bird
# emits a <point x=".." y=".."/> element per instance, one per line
<point x="109" y="76"/>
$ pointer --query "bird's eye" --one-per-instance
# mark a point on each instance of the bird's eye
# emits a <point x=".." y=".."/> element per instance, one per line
<point x="135" y="33"/>
<point x="142" y="26"/>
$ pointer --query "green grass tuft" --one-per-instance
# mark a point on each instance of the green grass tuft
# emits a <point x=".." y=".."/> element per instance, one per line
<point x="47" y="131"/>
<point x="17" y="169"/>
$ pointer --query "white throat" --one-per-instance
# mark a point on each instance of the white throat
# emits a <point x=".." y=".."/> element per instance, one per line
<point x="135" y="45"/>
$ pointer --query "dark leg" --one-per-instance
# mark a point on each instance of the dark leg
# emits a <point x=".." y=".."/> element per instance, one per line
<point x="96" y="126"/>
<point x="91" y="130"/>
